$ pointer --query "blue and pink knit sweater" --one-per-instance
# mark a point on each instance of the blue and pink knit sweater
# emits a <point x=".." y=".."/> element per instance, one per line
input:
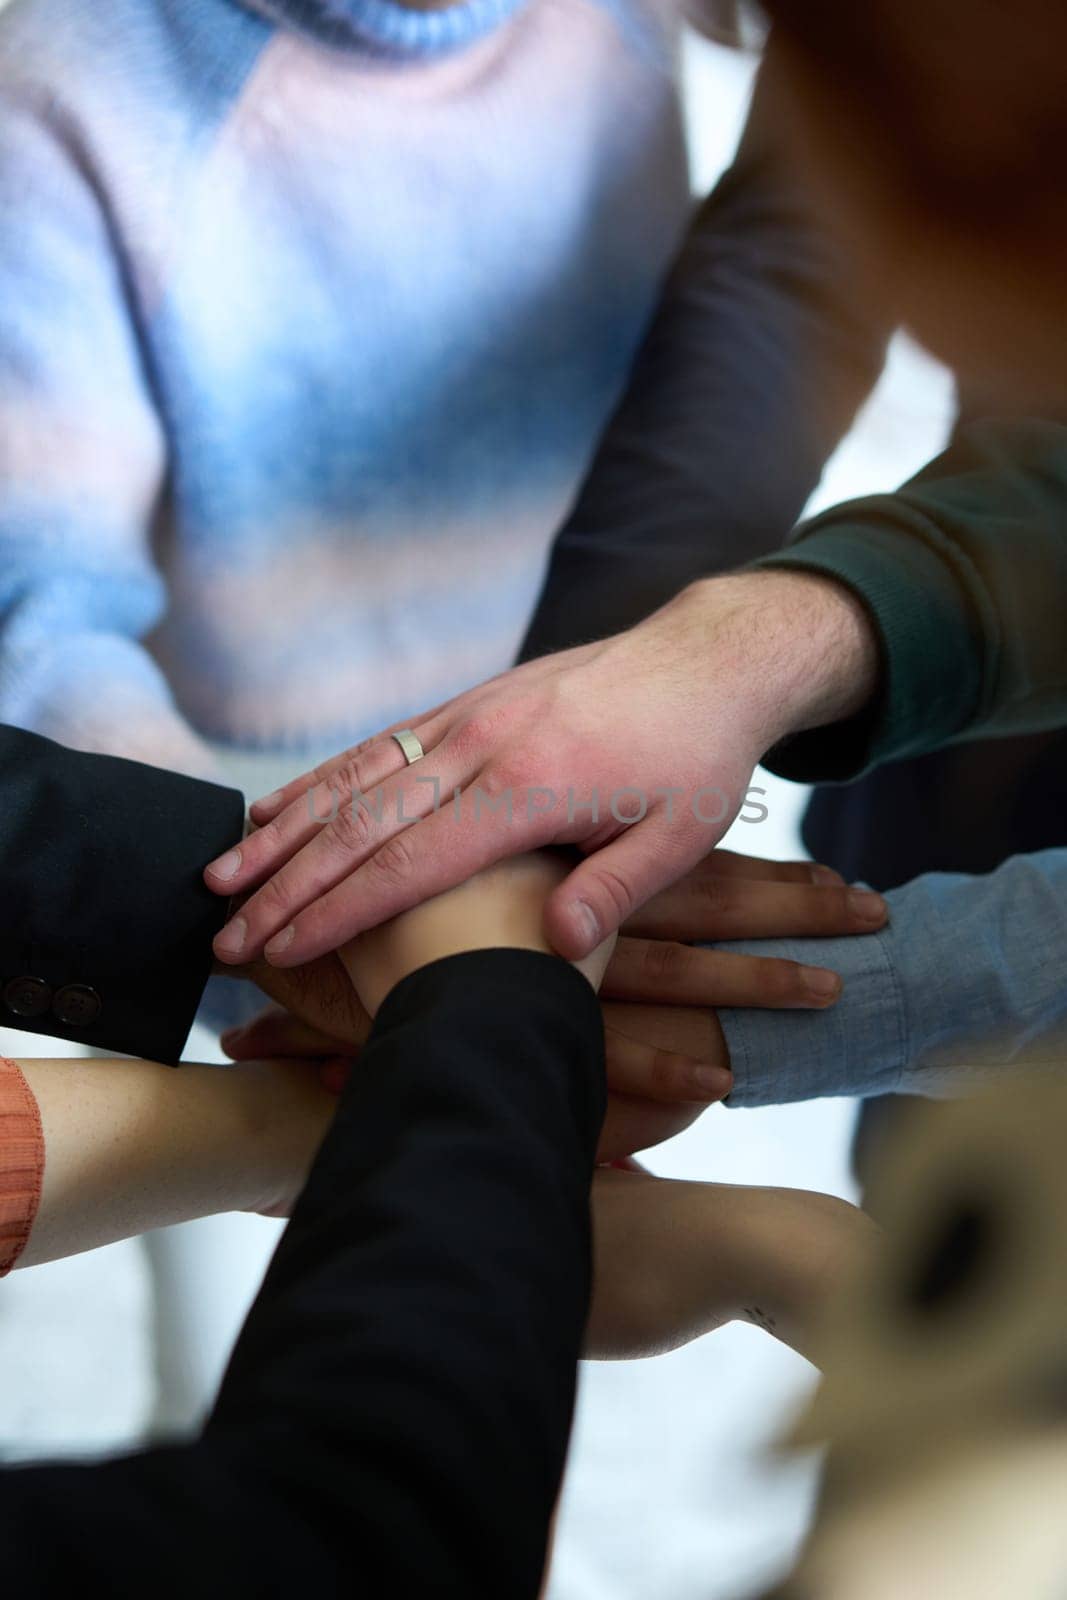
<point x="310" y="314"/>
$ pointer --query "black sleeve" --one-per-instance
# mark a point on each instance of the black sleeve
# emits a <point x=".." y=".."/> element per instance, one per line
<point x="395" y="1417"/>
<point x="752" y="370"/>
<point x="105" y="922"/>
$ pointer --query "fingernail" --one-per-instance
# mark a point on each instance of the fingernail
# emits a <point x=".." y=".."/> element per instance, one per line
<point x="820" y="983"/>
<point x="281" y="942"/>
<point x="231" y="941"/>
<point x="866" y="906"/>
<point x="713" y="1082"/>
<point x="826" y="875"/>
<point x="588" y="926"/>
<point x="227" y="866"/>
<point x="230" y="1039"/>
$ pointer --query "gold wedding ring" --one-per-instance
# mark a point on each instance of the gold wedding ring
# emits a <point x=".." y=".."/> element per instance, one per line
<point x="411" y="747"/>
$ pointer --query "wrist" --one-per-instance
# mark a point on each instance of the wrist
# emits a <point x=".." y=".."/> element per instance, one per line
<point x="281" y="1115"/>
<point x="227" y="1115"/>
<point x="502" y="908"/>
<point x="795" y="650"/>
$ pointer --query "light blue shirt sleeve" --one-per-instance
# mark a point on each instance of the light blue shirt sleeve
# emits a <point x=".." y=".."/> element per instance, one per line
<point x="969" y="977"/>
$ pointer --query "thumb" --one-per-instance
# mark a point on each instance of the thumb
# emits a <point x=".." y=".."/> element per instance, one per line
<point x="610" y="885"/>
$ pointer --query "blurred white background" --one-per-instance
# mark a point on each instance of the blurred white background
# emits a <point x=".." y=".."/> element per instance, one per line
<point x="669" y="1492"/>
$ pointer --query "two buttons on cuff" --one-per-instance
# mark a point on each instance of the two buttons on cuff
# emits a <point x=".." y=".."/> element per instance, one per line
<point x="75" y="1006"/>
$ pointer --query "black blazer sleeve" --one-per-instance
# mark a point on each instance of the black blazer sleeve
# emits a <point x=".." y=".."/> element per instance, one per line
<point x="763" y="347"/>
<point x="105" y="922"/>
<point x="395" y="1417"/>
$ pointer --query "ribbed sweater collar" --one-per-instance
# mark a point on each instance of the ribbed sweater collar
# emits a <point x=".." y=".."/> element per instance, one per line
<point x="385" y="27"/>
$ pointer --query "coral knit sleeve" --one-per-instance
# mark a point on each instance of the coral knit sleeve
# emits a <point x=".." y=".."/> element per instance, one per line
<point x="21" y="1163"/>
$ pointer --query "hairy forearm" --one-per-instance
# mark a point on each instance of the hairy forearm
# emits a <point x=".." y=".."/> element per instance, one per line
<point x="131" y="1146"/>
<point x="793" y="650"/>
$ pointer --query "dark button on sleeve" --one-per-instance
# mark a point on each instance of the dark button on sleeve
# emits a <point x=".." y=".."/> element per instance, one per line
<point x="77" y="1005"/>
<point x="27" y="997"/>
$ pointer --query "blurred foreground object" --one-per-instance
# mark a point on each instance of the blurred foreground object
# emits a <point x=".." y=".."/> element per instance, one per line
<point x="945" y="1401"/>
<point x="940" y="126"/>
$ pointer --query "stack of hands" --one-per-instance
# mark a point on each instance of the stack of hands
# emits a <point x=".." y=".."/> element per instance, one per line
<point x="667" y="1058"/>
<point x="673" y="1260"/>
<point x="134" y="1150"/>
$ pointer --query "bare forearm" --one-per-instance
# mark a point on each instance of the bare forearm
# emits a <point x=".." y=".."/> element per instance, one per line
<point x="131" y="1146"/>
<point x="675" y="1261"/>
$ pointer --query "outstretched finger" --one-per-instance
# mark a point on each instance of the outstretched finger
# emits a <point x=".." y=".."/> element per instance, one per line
<point x="667" y="972"/>
<point x="714" y="907"/>
<point x="732" y="864"/>
<point x="352" y="784"/>
<point x="660" y="1053"/>
<point x="269" y="806"/>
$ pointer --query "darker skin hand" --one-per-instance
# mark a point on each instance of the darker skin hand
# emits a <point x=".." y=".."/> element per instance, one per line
<point x="666" y="1053"/>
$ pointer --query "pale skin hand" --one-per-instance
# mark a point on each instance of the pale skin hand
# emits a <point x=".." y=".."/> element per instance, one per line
<point x="131" y="1146"/>
<point x="687" y="702"/>
<point x="673" y="1261"/>
<point x="499" y="909"/>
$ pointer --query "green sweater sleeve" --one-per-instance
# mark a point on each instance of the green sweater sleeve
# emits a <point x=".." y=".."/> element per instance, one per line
<point x="964" y="573"/>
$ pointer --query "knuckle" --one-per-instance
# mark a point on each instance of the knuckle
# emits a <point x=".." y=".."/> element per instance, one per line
<point x="275" y="897"/>
<point x="662" y="1071"/>
<point x="348" y="779"/>
<point x="665" y="959"/>
<point x="712" y="892"/>
<point x="615" y="889"/>
<point x="374" y="741"/>
<point x="619" y="1052"/>
<point x="327" y="771"/>
<point x="504" y="776"/>
<point x="820" y="911"/>
<point x="474" y="733"/>
<point x="317" y="775"/>
<point x="393" y="863"/>
<point x="323" y="772"/>
<point x="349" y="833"/>
<point x="321" y="802"/>
<point x="268" y="842"/>
<point x="495" y="779"/>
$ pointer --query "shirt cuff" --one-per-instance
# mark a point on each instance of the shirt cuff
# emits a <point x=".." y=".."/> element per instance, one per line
<point x="21" y="1163"/>
<point x="965" y="980"/>
<point x="858" y="1047"/>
